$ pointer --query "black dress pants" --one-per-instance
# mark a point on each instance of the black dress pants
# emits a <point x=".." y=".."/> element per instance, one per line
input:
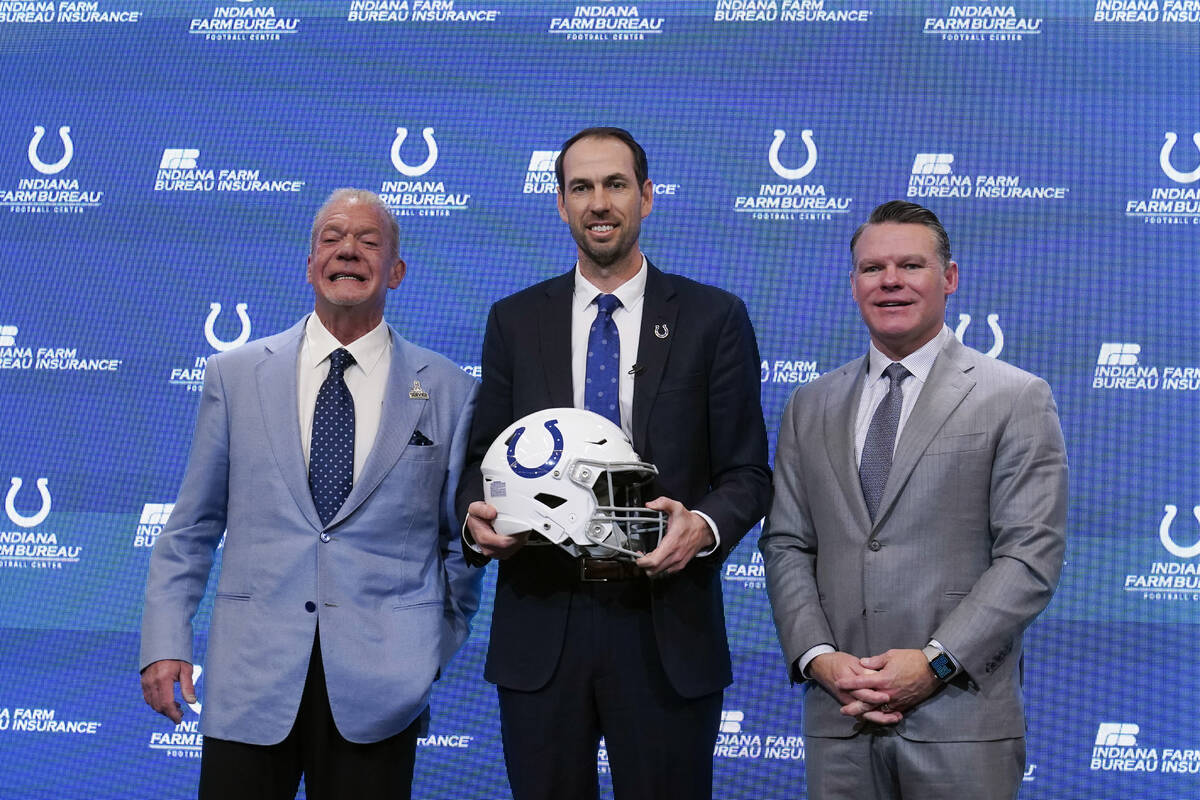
<point x="333" y="768"/>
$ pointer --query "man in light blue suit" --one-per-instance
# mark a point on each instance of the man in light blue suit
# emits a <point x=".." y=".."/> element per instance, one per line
<point x="918" y="528"/>
<point x="328" y="455"/>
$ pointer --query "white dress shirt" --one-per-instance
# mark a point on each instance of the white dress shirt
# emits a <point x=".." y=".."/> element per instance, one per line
<point x="628" y="319"/>
<point x="366" y="379"/>
<point x="875" y="388"/>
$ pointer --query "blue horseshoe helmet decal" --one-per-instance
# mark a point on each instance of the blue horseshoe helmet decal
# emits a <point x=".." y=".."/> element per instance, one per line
<point x="555" y="454"/>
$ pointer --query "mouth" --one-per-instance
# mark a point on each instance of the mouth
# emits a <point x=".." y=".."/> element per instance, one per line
<point x="601" y="227"/>
<point x="894" y="304"/>
<point x="345" y="276"/>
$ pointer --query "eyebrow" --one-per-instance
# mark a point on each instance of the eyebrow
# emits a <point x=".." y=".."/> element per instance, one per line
<point x="605" y="179"/>
<point x="340" y="228"/>
<point x="905" y="259"/>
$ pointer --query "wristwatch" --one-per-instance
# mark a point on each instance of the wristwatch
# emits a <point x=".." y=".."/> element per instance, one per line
<point x="940" y="663"/>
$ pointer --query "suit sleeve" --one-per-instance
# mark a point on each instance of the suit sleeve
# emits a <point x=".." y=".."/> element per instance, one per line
<point x="789" y="547"/>
<point x="462" y="581"/>
<point x="1027" y="512"/>
<point x="493" y="413"/>
<point x="740" y="479"/>
<point x="183" y="553"/>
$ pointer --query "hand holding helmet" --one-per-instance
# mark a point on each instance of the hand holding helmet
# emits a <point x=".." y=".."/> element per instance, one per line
<point x="573" y="479"/>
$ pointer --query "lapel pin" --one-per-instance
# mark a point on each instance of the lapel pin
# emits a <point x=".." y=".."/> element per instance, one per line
<point x="661" y="330"/>
<point x="417" y="393"/>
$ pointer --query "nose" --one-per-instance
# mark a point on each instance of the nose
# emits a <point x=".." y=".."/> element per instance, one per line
<point x="600" y="200"/>
<point x="892" y="277"/>
<point x="347" y="248"/>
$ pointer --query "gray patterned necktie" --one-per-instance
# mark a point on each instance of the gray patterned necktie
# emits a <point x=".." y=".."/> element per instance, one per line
<point x="876" y="461"/>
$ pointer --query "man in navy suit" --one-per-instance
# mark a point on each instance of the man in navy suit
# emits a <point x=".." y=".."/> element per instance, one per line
<point x="632" y="651"/>
<point x="328" y="454"/>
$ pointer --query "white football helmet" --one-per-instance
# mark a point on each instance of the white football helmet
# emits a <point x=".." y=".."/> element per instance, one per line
<point x="573" y="478"/>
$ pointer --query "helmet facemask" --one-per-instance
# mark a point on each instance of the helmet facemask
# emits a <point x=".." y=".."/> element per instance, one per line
<point x="621" y="522"/>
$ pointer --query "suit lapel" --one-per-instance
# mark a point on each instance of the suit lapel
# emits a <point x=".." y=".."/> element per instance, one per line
<point x="841" y="407"/>
<point x="659" y="310"/>
<point x="949" y="382"/>
<point x="554" y="332"/>
<point x="276" y="375"/>
<point x="397" y="421"/>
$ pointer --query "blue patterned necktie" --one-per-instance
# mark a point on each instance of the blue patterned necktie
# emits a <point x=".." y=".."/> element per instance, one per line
<point x="601" y="392"/>
<point x="331" y="454"/>
<point x="876" y="461"/>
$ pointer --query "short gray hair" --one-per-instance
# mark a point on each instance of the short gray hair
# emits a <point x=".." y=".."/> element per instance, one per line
<point x="362" y="196"/>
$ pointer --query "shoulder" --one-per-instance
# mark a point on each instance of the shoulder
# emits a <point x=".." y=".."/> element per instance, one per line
<point x="809" y="398"/>
<point x="253" y="351"/>
<point x="432" y="365"/>
<point x="693" y="291"/>
<point x="562" y="284"/>
<point x="992" y="374"/>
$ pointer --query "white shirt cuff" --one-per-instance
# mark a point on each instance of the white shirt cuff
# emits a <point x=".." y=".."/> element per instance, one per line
<point x="468" y="539"/>
<point x="716" y="535"/>
<point x="803" y="661"/>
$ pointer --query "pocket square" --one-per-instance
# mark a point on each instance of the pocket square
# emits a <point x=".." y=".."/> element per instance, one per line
<point x="420" y="440"/>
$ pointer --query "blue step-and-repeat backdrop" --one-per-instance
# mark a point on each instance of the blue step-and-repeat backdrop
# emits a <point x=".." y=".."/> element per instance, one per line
<point x="160" y="162"/>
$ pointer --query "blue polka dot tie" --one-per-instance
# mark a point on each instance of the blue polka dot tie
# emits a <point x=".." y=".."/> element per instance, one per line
<point x="331" y="454"/>
<point x="601" y="392"/>
<point x="876" y="461"/>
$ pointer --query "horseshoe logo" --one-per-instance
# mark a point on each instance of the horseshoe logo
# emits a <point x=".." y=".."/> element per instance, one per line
<point x="219" y="344"/>
<point x="64" y="133"/>
<point x="1164" y="159"/>
<point x="1164" y="533"/>
<point x="555" y="454"/>
<point x="802" y="170"/>
<point x="426" y="165"/>
<point x="19" y="518"/>
<point x="993" y="321"/>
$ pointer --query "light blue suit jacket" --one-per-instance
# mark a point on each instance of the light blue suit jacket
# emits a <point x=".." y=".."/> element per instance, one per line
<point x="390" y="588"/>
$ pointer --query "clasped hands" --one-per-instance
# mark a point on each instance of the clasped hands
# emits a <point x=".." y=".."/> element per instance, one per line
<point x="879" y="689"/>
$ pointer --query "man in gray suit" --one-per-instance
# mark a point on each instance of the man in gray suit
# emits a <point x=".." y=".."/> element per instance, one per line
<point x="917" y="529"/>
<point x="328" y="454"/>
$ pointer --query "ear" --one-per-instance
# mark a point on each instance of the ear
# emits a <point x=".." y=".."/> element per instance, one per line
<point x="308" y="269"/>
<point x="562" y="206"/>
<point x="397" y="274"/>
<point x="647" y="198"/>
<point x="951" y="276"/>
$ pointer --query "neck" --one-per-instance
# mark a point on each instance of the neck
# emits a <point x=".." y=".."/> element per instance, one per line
<point x="897" y="351"/>
<point x="347" y="325"/>
<point x="607" y="278"/>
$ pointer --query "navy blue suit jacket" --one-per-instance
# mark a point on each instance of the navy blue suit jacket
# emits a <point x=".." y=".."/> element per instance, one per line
<point x="696" y="416"/>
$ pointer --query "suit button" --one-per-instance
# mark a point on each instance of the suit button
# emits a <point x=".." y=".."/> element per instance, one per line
<point x="874" y="545"/>
<point x="310" y="606"/>
<point x="325" y="537"/>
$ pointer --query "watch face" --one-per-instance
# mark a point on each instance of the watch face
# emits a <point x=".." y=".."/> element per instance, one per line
<point x="942" y="666"/>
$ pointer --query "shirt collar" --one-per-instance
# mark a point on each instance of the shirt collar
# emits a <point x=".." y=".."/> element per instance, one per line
<point x="919" y="362"/>
<point x="630" y="293"/>
<point x="366" y="349"/>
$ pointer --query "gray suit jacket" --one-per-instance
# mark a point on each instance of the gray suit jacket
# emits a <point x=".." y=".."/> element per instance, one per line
<point x="966" y="548"/>
<point x="390" y="587"/>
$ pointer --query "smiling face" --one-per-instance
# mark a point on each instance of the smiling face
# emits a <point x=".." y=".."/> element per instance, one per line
<point x="602" y="203"/>
<point x="352" y="262"/>
<point x="901" y="286"/>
